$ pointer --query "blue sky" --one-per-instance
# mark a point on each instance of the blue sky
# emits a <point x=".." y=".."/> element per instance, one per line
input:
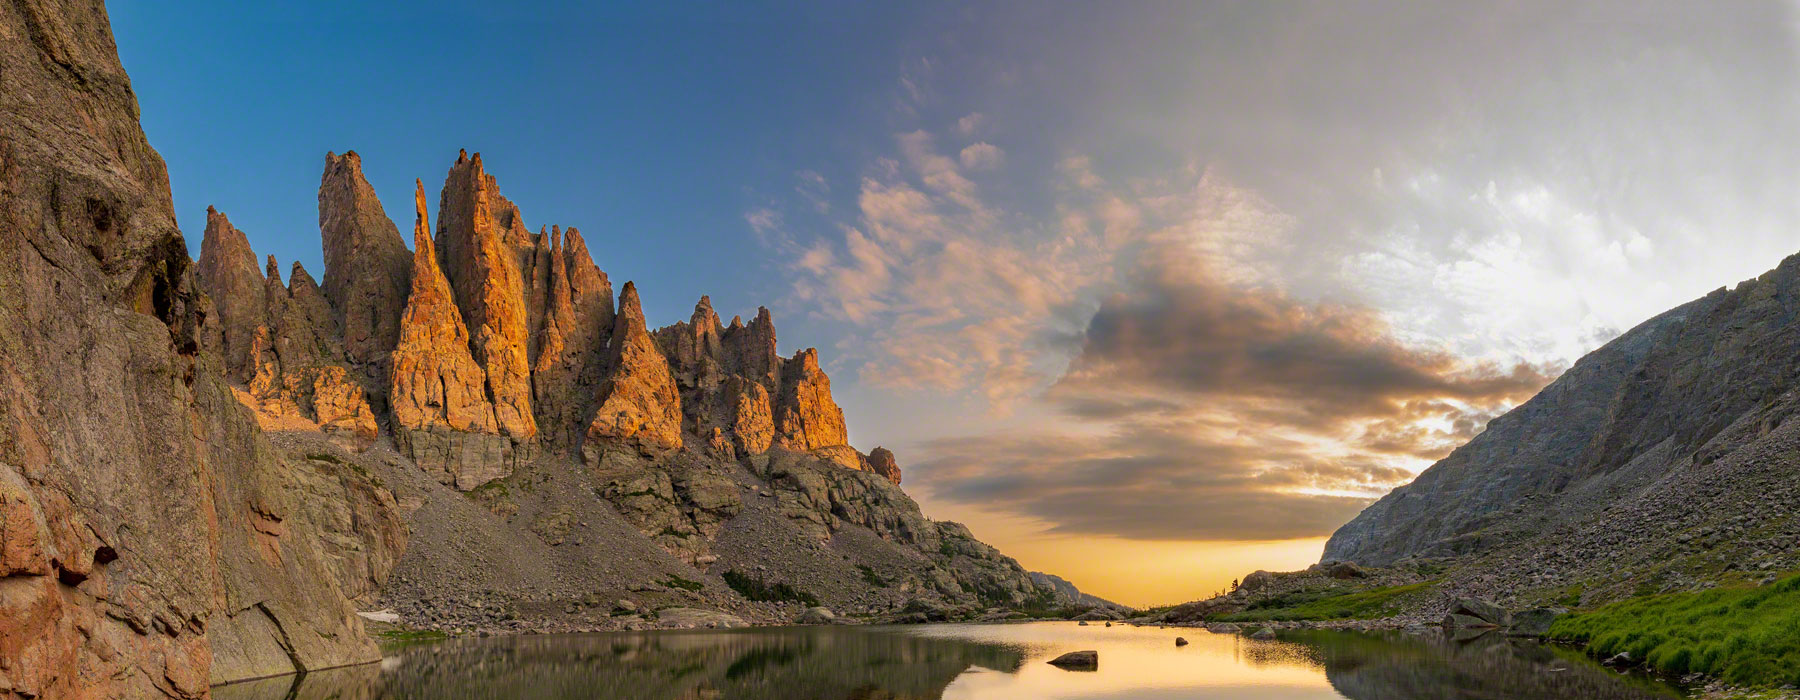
<point x="647" y="127"/>
<point x="1149" y="294"/>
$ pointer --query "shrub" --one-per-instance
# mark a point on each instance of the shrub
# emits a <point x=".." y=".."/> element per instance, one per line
<point x="755" y="588"/>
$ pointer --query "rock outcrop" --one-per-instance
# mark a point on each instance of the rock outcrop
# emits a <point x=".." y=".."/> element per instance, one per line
<point x="151" y="540"/>
<point x="572" y="340"/>
<point x="227" y="269"/>
<point x="806" y="417"/>
<point x="640" y="407"/>
<point x="280" y="343"/>
<point x="881" y="461"/>
<point x="442" y="416"/>
<point x="368" y="270"/>
<point x="481" y="240"/>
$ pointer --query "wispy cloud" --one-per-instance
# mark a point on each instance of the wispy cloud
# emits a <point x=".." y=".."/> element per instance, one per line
<point x="981" y="156"/>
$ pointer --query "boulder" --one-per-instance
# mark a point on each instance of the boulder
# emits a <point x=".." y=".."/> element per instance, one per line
<point x="816" y="616"/>
<point x="1085" y="660"/>
<point x="1265" y="633"/>
<point x="1534" y="622"/>
<point x="1181" y="641"/>
<point x="1256" y="581"/>
<point x="1493" y="615"/>
<point x="1223" y="628"/>
<point x="693" y="618"/>
<point x="1345" y="570"/>
<point x="881" y="461"/>
<point x="1458" y="621"/>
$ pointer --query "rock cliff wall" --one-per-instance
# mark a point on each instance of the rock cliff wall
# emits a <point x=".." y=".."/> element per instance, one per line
<point x="151" y="541"/>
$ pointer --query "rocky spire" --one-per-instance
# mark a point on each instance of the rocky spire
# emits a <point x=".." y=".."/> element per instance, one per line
<point x="439" y="395"/>
<point x="367" y="269"/>
<point x="227" y="272"/>
<point x="590" y="292"/>
<point x="483" y="273"/>
<point x="806" y="417"/>
<point x="750" y="350"/>
<point x="639" y="403"/>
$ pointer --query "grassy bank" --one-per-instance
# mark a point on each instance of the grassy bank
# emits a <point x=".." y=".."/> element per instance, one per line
<point x="1744" y="635"/>
<point x="1328" y="604"/>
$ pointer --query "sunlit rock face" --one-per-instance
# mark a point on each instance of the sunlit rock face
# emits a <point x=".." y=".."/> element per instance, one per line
<point x="502" y="345"/>
<point x="639" y="406"/>
<point x="482" y="242"/>
<point x="442" y="416"/>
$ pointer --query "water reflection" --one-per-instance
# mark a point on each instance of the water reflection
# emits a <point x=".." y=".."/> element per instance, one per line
<point x="956" y="662"/>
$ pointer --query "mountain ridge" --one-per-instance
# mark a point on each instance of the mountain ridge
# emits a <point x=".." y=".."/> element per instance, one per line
<point x="207" y="471"/>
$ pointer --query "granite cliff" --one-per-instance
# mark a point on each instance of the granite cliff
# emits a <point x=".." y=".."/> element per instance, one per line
<point x="152" y="541"/>
<point x="207" y="471"/>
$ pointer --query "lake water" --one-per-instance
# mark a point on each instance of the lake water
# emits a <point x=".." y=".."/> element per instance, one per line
<point x="965" y="661"/>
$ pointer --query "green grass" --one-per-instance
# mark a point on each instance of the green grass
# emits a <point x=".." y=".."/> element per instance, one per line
<point x="1327" y="604"/>
<point x="398" y="637"/>
<point x="1745" y="636"/>
<point x="755" y="588"/>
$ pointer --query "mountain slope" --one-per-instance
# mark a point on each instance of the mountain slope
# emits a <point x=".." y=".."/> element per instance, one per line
<point x="1665" y="458"/>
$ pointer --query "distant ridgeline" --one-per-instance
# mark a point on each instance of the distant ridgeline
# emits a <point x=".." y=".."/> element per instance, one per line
<point x="474" y="434"/>
<point x="1664" y="460"/>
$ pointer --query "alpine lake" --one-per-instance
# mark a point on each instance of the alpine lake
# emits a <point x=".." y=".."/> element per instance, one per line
<point x="965" y="661"/>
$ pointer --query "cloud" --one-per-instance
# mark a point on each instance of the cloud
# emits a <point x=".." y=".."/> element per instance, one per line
<point x="968" y="125"/>
<point x="1149" y="482"/>
<point x="812" y="187"/>
<point x="763" y="220"/>
<point x="982" y="156"/>
<point x="1201" y="409"/>
<point x="942" y="291"/>
<point x="1182" y="333"/>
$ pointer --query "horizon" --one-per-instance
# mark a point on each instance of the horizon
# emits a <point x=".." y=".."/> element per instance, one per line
<point x="1146" y="335"/>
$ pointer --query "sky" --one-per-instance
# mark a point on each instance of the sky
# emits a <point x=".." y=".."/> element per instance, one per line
<point x="1150" y="295"/>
